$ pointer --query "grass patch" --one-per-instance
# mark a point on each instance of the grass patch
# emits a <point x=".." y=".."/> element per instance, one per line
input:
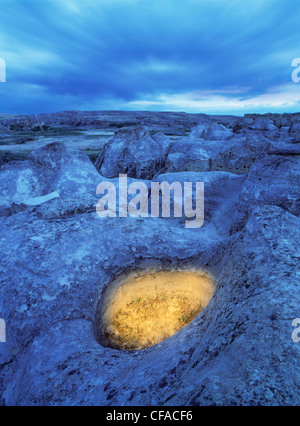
<point x="138" y="311"/>
<point x="141" y="317"/>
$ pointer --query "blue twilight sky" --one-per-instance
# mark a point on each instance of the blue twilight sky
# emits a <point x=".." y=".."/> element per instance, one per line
<point x="213" y="56"/>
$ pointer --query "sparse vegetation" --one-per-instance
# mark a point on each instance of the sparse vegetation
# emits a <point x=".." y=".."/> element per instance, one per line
<point x="142" y="316"/>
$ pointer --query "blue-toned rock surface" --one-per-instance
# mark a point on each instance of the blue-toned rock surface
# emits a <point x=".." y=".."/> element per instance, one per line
<point x="57" y="256"/>
<point x="135" y="152"/>
<point x="53" y="168"/>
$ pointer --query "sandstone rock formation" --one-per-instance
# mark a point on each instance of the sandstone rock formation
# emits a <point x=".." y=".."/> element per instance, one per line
<point x="236" y="153"/>
<point x="58" y="256"/>
<point x="53" y="168"/>
<point x="125" y="154"/>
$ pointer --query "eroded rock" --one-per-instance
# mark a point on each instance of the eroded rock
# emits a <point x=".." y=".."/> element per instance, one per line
<point x="53" y="168"/>
<point x="234" y="155"/>
<point x="58" y="257"/>
<point x="136" y="153"/>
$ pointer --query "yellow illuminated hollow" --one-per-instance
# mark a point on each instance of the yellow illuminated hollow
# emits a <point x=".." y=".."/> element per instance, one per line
<point x="139" y="311"/>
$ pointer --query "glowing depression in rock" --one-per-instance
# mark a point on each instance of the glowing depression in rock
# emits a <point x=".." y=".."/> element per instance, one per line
<point x="139" y="311"/>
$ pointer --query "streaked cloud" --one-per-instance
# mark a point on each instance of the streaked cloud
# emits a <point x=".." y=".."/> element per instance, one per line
<point x="286" y="97"/>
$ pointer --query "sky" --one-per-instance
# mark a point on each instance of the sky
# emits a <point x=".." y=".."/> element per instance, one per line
<point x="198" y="56"/>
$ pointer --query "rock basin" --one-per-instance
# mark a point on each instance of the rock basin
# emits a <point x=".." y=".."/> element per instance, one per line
<point x="58" y="259"/>
<point x="138" y="311"/>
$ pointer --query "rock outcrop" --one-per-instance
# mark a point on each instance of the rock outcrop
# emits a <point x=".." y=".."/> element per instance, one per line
<point x="58" y="256"/>
<point x="136" y="153"/>
<point x="234" y="154"/>
<point x="53" y="168"/>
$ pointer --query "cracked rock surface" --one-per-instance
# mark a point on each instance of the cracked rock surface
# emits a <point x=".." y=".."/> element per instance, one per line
<point x="57" y="257"/>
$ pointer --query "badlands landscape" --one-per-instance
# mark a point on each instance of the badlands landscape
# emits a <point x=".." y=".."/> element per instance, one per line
<point x="58" y="258"/>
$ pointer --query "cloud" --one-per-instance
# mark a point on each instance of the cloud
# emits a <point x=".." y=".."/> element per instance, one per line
<point x="280" y="97"/>
<point x="134" y="53"/>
